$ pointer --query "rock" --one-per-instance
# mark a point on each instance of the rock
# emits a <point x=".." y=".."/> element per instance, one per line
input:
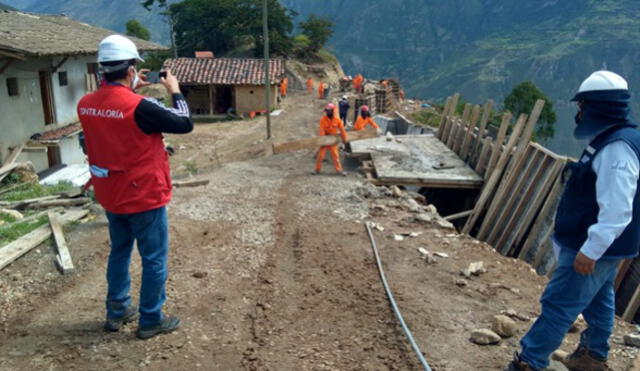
<point x="398" y="237"/>
<point x="423" y="218"/>
<point x="13" y="213"/>
<point x="396" y="191"/>
<point x="417" y="196"/>
<point x="484" y="337"/>
<point x="441" y="254"/>
<point x="461" y="282"/>
<point x="199" y="274"/>
<point x="515" y="315"/>
<point x="412" y="205"/>
<point x="559" y="355"/>
<point x="578" y="325"/>
<point x="389" y="136"/>
<point x="444" y="223"/>
<point x="414" y="234"/>
<point x="474" y="269"/>
<point x="423" y="251"/>
<point x="431" y="209"/>
<point x="504" y="326"/>
<point x="632" y="340"/>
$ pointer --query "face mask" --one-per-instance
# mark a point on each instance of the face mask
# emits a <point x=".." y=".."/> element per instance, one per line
<point x="136" y="80"/>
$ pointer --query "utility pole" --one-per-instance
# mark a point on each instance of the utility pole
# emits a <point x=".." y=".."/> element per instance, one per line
<point x="267" y="82"/>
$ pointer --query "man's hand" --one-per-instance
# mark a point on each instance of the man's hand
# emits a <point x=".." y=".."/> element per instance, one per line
<point x="142" y="75"/>
<point x="583" y="264"/>
<point x="170" y="83"/>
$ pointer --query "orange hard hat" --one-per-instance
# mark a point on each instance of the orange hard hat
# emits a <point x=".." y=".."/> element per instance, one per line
<point x="330" y="107"/>
<point x="364" y="108"/>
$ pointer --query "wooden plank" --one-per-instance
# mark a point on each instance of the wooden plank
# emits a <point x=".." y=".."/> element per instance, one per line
<point x="321" y="141"/>
<point x="486" y="116"/>
<point x="536" y="203"/>
<point x="482" y="159"/>
<point x="63" y="258"/>
<point x="517" y="214"/>
<point x="12" y="251"/>
<point x="497" y="144"/>
<point x="190" y="183"/>
<point x="549" y="203"/>
<point x="23" y="203"/>
<point x="491" y="184"/>
<point x="632" y="307"/>
<point x="623" y="268"/>
<point x="443" y="118"/>
<point x="459" y="215"/>
<point x="464" y="149"/>
<point x="455" y="125"/>
<point x="504" y="203"/>
<point x="448" y="124"/>
<point x="545" y="245"/>
<point x="505" y="186"/>
<point x="525" y="138"/>
<point x="453" y="109"/>
<point x="60" y="202"/>
<point x="462" y="130"/>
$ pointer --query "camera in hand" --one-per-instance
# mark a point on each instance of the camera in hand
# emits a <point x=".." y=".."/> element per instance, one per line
<point x="163" y="74"/>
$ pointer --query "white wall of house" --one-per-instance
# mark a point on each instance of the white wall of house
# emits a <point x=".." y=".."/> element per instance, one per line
<point x="66" y="97"/>
<point x="22" y="116"/>
<point x="70" y="150"/>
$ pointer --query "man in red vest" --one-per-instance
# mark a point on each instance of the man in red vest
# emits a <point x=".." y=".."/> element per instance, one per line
<point x="130" y="175"/>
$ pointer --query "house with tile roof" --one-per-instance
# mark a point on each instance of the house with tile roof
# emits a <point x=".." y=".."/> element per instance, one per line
<point x="47" y="63"/>
<point x="215" y="85"/>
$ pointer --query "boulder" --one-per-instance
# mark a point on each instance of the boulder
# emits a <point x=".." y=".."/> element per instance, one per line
<point x="504" y="326"/>
<point x="484" y="337"/>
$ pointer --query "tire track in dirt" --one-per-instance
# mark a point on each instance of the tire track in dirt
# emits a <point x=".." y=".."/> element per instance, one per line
<point x="319" y="302"/>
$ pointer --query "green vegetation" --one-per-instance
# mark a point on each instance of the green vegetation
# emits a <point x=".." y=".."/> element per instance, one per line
<point x="426" y="117"/>
<point x="228" y="27"/>
<point x="191" y="167"/>
<point x="28" y="191"/>
<point x="12" y="230"/>
<point x="522" y="99"/>
<point x="135" y="29"/>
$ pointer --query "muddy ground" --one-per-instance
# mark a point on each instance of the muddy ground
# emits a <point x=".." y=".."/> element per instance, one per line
<point x="271" y="269"/>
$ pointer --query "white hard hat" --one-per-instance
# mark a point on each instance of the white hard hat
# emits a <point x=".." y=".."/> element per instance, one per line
<point x="117" y="48"/>
<point x="603" y="80"/>
<point x="344" y="97"/>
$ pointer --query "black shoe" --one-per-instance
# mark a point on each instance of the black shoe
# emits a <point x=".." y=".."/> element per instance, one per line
<point x="114" y="324"/>
<point x="518" y="365"/>
<point x="167" y="325"/>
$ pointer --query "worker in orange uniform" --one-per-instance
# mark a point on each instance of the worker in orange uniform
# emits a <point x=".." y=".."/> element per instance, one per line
<point x="330" y="124"/>
<point x="364" y="119"/>
<point x="321" y="90"/>
<point x="283" y="87"/>
<point x="357" y="83"/>
<point x="310" y="85"/>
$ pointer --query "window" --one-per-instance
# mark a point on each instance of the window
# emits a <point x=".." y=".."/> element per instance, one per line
<point x="62" y="78"/>
<point x="12" y="86"/>
<point x="250" y="91"/>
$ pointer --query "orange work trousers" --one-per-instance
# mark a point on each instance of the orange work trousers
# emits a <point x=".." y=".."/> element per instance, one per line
<point x="333" y="151"/>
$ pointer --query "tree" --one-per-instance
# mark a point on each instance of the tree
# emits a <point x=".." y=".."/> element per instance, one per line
<point x="522" y="99"/>
<point x="134" y="28"/>
<point x="227" y="25"/>
<point x="318" y="30"/>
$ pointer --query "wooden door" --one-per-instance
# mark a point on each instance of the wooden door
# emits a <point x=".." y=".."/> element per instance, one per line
<point x="47" y="97"/>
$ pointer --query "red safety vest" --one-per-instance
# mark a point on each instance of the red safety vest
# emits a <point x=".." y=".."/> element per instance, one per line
<point x="139" y="178"/>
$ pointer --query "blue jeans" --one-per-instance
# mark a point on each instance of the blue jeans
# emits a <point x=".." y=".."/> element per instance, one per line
<point x="566" y="296"/>
<point x="150" y="230"/>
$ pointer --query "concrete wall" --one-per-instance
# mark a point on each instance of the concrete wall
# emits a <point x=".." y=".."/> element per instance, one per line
<point x="22" y="116"/>
<point x="37" y="156"/>
<point x="66" y="97"/>
<point x="70" y="151"/>
<point x="251" y="98"/>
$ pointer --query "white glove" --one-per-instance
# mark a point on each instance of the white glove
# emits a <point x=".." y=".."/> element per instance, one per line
<point x="379" y="131"/>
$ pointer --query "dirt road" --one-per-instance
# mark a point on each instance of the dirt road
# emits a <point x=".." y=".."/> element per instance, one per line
<point x="271" y="269"/>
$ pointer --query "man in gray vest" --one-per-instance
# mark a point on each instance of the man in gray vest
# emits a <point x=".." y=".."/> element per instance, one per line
<point x="597" y="225"/>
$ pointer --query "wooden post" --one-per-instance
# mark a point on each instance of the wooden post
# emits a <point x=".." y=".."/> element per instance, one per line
<point x="486" y="116"/>
<point x="632" y="307"/>
<point x="489" y="186"/>
<point x="497" y="144"/>
<point x="210" y="94"/>
<point x="623" y="268"/>
<point x="475" y="116"/>
<point x="445" y="113"/>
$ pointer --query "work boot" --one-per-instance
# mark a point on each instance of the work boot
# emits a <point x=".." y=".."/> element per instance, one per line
<point x="582" y="360"/>
<point x="167" y="325"/>
<point x="114" y="324"/>
<point x="315" y="172"/>
<point x="518" y="365"/>
<point x="343" y="173"/>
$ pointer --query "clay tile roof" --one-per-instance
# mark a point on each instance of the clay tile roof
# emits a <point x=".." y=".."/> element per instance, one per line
<point x="57" y="134"/>
<point x="29" y="34"/>
<point x="204" y="54"/>
<point x="224" y="71"/>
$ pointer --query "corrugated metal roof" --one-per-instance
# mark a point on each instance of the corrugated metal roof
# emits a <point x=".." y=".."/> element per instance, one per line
<point x="224" y="71"/>
<point x="31" y="34"/>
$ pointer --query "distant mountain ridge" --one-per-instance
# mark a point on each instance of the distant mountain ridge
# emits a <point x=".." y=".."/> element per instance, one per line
<point x="480" y="48"/>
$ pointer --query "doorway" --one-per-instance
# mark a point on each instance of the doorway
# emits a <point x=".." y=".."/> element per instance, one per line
<point x="224" y="99"/>
<point x="47" y="97"/>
